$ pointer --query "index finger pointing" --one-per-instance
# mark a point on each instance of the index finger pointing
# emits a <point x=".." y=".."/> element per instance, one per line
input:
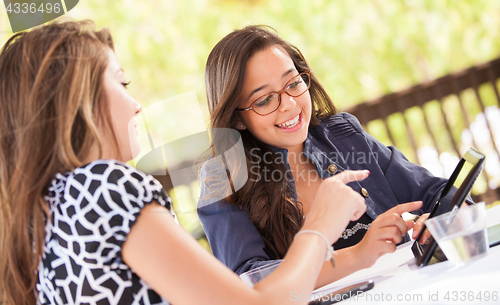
<point x="350" y="175"/>
<point x="405" y="207"/>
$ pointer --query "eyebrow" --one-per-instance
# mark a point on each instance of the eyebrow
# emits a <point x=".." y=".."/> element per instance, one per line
<point x="262" y="87"/>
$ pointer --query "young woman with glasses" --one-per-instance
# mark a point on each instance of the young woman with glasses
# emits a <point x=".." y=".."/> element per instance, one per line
<point x="80" y="226"/>
<point x="294" y="138"/>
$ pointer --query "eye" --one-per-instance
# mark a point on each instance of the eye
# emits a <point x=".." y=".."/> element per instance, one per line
<point x="295" y="84"/>
<point x="125" y="84"/>
<point x="263" y="102"/>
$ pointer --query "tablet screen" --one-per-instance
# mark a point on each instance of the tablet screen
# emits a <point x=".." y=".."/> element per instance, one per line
<point x="461" y="181"/>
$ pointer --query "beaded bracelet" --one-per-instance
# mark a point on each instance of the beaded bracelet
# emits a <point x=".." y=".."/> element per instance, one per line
<point x="330" y="252"/>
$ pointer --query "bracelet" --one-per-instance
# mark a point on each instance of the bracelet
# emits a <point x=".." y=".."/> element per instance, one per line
<point x="330" y="252"/>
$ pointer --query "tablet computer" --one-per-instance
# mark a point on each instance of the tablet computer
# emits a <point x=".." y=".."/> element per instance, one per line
<point x="462" y="179"/>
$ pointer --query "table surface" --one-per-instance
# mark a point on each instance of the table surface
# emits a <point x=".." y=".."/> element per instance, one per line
<point x="441" y="283"/>
<point x="398" y="280"/>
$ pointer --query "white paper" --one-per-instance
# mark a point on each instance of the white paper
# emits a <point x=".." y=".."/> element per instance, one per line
<point x="387" y="265"/>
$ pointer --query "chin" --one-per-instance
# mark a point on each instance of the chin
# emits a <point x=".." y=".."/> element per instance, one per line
<point x="135" y="150"/>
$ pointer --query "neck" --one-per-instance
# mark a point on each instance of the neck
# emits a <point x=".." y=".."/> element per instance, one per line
<point x="296" y="155"/>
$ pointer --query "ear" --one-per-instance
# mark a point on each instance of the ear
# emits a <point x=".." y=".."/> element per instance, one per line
<point x="240" y="125"/>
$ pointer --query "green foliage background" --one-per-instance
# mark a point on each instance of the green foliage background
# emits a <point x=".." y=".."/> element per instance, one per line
<point x="358" y="49"/>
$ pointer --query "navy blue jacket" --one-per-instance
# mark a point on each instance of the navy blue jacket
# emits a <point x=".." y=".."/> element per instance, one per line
<point x="338" y="140"/>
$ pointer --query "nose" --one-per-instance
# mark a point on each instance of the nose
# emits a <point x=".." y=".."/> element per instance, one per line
<point x="138" y="107"/>
<point x="287" y="102"/>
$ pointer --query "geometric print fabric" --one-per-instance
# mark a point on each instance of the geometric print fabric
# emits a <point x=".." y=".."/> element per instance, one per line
<point x="92" y="211"/>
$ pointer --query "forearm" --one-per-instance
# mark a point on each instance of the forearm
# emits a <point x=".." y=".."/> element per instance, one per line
<point x="189" y="275"/>
<point x="297" y="274"/>
<point x="387" y="230"/>
<point x="345" y="264"/>
<point x="304" y="261"/>
<point x="234" y="239"/>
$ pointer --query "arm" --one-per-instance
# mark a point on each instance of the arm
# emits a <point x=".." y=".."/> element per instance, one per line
<point x="233" y="238"/>
<point x="411" y="182"/>
<point x="174" y="265"/>
<point x="407" y="181"/>
<point x="177" y="268"/>
<point x="236" y="243"/>
<point x="384" y="233"/>
<point x="393" y="180"/>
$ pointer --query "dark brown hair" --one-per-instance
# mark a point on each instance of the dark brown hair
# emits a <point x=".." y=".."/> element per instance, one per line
<point x="269" y="202"/>
<point x="52" y="101"/>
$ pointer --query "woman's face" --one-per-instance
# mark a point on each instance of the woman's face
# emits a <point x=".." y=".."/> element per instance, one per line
<point x="123" y="109"/>
<point x="268" y="71"/>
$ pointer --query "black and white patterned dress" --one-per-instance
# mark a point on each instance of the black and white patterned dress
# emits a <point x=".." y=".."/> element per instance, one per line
<point x="93" y="209"/>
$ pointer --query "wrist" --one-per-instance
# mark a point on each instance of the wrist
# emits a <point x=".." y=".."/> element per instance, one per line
<point x="361" y="256"/>
<point x="330" y="252"/>
<point x="351" y="257"/>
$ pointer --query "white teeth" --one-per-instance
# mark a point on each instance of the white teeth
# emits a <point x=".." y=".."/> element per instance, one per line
<point x="292" y="123"/>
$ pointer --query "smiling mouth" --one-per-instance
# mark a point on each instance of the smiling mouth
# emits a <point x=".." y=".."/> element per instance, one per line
<point x="291" y="123"/>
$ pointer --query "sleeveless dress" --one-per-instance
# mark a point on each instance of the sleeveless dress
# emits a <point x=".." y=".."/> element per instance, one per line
<point x="92" y="211"/>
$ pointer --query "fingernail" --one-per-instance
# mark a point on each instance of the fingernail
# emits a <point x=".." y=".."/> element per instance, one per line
<point x="367" y="171"/>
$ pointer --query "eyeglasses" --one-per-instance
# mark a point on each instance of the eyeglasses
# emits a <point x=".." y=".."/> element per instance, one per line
<point x="270" y="102"/>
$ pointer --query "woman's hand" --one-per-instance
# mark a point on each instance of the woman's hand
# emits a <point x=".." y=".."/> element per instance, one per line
<point x="384" y="233"/>
<point x="418" y="227"/>
<point x="420" y="223"/>
<point x="336" y="204"/>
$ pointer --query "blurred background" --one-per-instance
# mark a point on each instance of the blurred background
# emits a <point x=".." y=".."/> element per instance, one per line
<point x="359" y="50"/>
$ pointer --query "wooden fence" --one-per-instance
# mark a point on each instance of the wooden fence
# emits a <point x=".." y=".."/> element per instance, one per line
<point x="445" y="116"/>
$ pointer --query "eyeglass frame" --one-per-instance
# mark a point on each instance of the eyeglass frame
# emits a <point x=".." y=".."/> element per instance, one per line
<point x="308" y="73"/>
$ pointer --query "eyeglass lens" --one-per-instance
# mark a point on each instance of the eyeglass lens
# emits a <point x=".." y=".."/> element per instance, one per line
<point x="271" y="101"/>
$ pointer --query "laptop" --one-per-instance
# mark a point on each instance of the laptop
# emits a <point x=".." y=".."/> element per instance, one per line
<point x="461" y="180"/>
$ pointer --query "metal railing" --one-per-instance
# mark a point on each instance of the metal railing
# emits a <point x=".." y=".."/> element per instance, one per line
<point x="447" y="116"/>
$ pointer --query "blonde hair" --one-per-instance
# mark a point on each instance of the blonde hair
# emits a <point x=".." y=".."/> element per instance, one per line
<point x="51" y="101"/>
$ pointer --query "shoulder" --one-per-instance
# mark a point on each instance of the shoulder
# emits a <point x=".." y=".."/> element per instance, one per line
<point x="213" y="167"/>
<point x="341" y="124"/>
<point x="110" y="169"/>
<point x="215" y="184"/>
<point x="112" y="180"/>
